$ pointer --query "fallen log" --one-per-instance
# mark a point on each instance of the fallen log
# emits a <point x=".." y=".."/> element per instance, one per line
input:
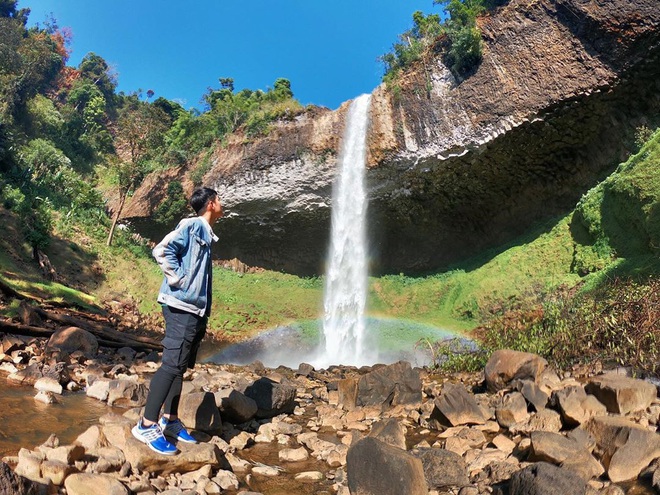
<point x="97" y="329"/>
<point x="32" y="331"/>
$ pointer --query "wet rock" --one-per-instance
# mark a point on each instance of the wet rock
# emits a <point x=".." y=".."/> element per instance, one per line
<point x="545" y="479"/>
<point x="126" y="393"/>
<point x="235" y="406"/>
<point x="621" y="394"/>
<point x="375" y="468"/>
<point x="626" y="448"/>
<point x="310" y="476"/>
<point x="28" y="375"/>
<point x="293" y="455"/>
<point x="99" y="389"/>
<point x="93" y="484"/>
<point x="272" y="398"/>
<point x="199" y="412"/>
<point x="46" y="398"/>
<point x="386" y="386"/>
<point x="505" y="366"/>
<point x="73" y="339"/>
<point x="458" y="406"/>
<point x="442" y="468"/>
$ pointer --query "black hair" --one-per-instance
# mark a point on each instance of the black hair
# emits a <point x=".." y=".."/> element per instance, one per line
<point x="200" y="197"/>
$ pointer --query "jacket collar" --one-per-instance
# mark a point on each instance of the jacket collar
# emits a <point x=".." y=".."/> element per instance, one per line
<point x="208" y="228"/>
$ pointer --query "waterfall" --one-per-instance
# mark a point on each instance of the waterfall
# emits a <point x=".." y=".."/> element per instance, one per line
<point x="346" y="275"/>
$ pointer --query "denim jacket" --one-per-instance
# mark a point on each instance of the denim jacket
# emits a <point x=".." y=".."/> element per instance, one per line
<point x="184" y="256"/>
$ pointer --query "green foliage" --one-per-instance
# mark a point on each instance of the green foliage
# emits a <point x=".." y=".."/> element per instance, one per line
<point x="465" y="50"/>
<point x="411" y="45"/>
<point x="34" y="213"/>
<point x="174" y="205"/>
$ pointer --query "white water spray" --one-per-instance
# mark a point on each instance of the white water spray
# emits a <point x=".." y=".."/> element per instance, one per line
<point x="346" y="278"/>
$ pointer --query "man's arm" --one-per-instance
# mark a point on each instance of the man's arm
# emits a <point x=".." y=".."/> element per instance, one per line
<point x="168" y="254"/>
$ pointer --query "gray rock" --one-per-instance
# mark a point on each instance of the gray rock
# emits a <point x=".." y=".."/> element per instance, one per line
<point x="567" y="452"/>
<point x="93" y="484"/>
<point x="375" y="468"/>
<point x="458" y="406"/>
<point x="390" y="431"/>
<point x="198" y="411"/>
<point x="386" y="386"/>
<point x="621" y="394"/>
<point x="235" y="406"/>
<point x="512" y="410"/>
<point x="575" y="406"/>
<point x="272" y="398"/>
<point x="505" y="366"/>
<point x="72" y="339"/>
<point x="442" y="468"/>
<point x="545" y="479"/>
<point x="127" y="393"/>
<point x="533" y="394"/>
<point x="14" y="484"/>
<point x="626" y="447"/>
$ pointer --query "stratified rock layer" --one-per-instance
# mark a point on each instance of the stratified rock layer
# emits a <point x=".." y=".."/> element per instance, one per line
<point x="456" y="167"/>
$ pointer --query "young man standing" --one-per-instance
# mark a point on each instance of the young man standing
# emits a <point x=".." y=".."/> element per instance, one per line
<point x="184" y="256"/>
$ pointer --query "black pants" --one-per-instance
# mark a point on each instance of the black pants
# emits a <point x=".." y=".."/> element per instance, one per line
<point x="183" y="333"/>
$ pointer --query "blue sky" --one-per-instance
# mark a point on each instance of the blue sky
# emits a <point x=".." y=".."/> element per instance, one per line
<point x="327" y="49"/>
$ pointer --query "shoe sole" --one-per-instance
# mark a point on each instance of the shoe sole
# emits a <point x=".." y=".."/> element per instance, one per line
<point x="146" y="442"/>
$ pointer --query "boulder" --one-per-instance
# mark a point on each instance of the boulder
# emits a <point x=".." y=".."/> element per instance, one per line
<point x="390" y="431"/>
<point x="505" y="366"/>
<point x="235" y="406"/>
<point x="375" y="468"/>
<point x="386" y="386"/>
<point x="458" y="406"/>
<point x="626" y="447"/>
<point x="621" y="394"/>
<point x="567" y="452"/>
<point x="126" y="393"/>
<point x="512" y="410"/>
<point x="533" y="394"/>
<point x="442" y="468"/>
<point x="542" y="478"/>
<point x="72" y="339"/>
<point x="198" y="412"/>
<point x="575" y="406"/>
<point x="93" y="484"/>
<point x="14" y="484"/>
<point x="272" y="398"/>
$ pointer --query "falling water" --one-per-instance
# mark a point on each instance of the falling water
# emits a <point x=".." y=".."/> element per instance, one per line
<point x="346" y="277"/>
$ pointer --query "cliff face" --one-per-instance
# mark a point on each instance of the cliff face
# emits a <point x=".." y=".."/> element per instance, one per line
<point x="455" y="167"/>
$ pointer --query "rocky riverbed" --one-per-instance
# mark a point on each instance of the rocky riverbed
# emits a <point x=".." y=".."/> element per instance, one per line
<point x="518" y="427"/>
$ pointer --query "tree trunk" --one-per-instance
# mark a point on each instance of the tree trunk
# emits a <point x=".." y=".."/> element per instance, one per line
<point x="122" y="200"/>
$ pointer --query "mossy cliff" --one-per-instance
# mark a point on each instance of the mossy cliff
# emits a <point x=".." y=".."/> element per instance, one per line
<point x="455" y="167"/>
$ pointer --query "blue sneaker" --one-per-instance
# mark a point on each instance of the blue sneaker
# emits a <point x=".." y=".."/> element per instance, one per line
<point x="175" y="429"/>
<point x="153" y="437"/>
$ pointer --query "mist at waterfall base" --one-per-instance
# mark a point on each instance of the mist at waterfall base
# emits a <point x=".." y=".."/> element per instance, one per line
<point x="347" y="337"/>
<point x="385" y="341"/>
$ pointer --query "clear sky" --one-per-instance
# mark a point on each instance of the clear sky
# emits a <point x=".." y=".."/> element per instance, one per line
<point x="327" y="49"/>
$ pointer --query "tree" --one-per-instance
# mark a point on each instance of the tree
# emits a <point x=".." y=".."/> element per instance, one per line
<point x="140" y="130"/>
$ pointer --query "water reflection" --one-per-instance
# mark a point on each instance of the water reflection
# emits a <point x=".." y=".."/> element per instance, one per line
<point x="27" y="423"/>
<point x="386" y="341"/>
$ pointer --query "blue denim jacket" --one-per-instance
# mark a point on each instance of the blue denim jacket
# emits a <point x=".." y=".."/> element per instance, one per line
<point x="184" y="256"/>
